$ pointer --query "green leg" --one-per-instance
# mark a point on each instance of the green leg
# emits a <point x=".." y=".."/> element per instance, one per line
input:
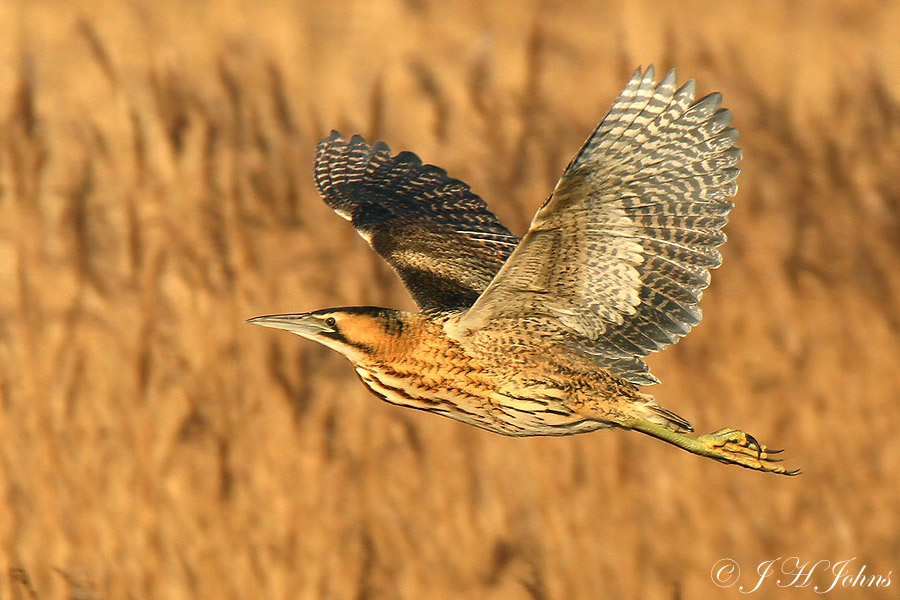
<point x="729" y="446"/>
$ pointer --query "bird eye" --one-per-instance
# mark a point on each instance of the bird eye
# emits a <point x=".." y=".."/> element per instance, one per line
<point x="330" y="321"/>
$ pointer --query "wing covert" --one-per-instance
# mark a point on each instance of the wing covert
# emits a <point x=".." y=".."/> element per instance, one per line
<point x="436" y="234"/>
<point x="616" y="259"/>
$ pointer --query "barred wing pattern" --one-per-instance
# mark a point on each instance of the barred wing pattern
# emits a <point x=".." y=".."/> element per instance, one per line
<point x="615" y="261"/>
<point x="435" y="233"/>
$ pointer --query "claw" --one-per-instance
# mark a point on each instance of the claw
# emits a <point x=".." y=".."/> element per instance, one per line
<point x="751" y="441"/>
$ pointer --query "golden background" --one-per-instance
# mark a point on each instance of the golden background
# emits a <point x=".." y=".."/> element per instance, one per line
<point x="156" y="190"/>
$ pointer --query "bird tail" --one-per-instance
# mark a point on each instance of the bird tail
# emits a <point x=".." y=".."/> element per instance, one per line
<point x="668" y="419"/>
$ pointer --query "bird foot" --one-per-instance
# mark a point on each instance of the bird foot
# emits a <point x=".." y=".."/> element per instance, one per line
<point x="729" y="446"/>
<point x="732" y="446"/>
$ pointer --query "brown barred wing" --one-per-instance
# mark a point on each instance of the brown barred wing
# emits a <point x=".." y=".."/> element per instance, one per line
<point x="435" y="233"/>
<point x="616" y="260"/>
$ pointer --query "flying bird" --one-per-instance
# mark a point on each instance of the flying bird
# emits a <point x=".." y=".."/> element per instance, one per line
<point x="544" y="335"/>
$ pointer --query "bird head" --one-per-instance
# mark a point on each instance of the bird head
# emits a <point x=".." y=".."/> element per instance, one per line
<point x="356" y="332"/>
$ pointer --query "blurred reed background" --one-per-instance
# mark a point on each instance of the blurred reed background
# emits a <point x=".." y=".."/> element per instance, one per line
<point x="156" y="190"/>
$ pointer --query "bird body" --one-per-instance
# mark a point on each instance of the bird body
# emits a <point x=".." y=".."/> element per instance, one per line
<point x="544" y="335"/>
<point x="506" y="384"/>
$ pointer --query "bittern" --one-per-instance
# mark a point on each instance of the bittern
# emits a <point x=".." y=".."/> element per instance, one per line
<point x="544" y="335"/>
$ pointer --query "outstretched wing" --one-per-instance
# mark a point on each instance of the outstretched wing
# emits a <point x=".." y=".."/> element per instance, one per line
<point x="616" y="260"/>
<point x="435" y="233"/>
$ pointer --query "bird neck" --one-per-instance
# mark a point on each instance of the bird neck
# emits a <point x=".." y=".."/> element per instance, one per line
<point x="396" y="337"/>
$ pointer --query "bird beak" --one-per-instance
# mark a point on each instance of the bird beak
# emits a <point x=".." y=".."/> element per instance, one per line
<point x="305" y="324"/>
